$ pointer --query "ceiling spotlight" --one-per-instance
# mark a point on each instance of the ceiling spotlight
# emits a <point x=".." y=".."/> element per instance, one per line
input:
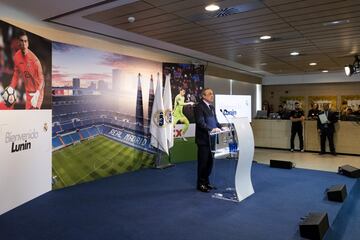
<point x="212" y="8"/>
<point x="265" y="37"/>
<point x="325" y="71"/>
<point x="313" y="64"/>
<point x="353" y="68"/>
<point x="294" y="53"/>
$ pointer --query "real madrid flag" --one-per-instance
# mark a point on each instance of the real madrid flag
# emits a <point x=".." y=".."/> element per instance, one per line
<point x="168" y="112"/>
<point x="158" y="122"/>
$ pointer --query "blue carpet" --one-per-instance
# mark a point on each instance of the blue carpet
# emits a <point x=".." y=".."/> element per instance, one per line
<point x="163" y="204"/>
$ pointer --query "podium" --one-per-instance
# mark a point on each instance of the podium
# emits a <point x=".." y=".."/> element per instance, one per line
<point x="240" y="186"/>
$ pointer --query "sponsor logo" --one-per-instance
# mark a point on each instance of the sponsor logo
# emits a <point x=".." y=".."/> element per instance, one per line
<point x="21" y="141"/>
<point x="230" y="113"/>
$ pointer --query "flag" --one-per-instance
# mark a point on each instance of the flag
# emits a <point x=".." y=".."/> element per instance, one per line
<point x="168" y="113"/>
<point x="158" y="123"/>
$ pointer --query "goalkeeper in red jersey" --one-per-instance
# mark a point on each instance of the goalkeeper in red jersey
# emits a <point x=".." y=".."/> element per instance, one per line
<point x="28" y="68"/>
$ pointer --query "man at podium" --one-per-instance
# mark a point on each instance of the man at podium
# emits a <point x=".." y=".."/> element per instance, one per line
<point x="206" y="122"/>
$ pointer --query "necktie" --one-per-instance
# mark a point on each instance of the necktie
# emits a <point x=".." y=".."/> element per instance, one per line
<point x="211" y="108"/>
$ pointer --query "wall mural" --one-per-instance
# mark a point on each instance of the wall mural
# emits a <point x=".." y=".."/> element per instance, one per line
<point x="101" y="113"/>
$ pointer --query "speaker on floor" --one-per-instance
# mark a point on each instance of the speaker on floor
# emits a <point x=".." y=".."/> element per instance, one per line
<point x="349" y="171"/>
<point x="281" y="164"/>
<point x="337" y="193"/>
<point x="314" y="226"/>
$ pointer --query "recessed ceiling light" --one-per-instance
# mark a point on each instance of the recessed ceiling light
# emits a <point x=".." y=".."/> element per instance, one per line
<point x="212" y="8"/>
<point x="325" y="71"/>
<point x="294" y="53"/>
<point x="265" y="37"/>
<point x="313" y="64"/>
<point x="131" y="19"/>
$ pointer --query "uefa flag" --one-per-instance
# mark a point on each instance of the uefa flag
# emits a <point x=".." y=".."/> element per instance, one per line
<point x="158" y="122"/>
<point x="168" y="113"/>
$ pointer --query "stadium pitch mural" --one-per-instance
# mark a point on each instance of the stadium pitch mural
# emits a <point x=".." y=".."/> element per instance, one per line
<point x="102" y="105"/>
<point x="25" y="137"/>
<point x="187" y="82"/>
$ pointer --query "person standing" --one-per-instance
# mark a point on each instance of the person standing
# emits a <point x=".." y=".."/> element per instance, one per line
<point x="206" y="122"/>
<point x="297" y="118"/>
<point x="326" y="128"/>
<point x="313" y="112"/>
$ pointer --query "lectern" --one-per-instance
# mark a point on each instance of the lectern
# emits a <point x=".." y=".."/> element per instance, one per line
<point x="240" y="186"/>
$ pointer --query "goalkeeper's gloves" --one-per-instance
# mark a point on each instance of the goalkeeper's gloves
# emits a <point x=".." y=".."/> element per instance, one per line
<point x="1" y="96"/>
<point x="35" y="98"/>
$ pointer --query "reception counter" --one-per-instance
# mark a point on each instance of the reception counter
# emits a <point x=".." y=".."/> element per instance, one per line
<point x="276" y="134"/>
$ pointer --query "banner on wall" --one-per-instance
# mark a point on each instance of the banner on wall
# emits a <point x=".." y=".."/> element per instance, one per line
<point x="350" y="101"/>
<point x="289" y="101"/>
<point x="321" y="100"/>
<point x="25" y="69"/>
<point x="102" y="105"/>
<point x="187" y="82"/>
<point x="25" y="133"/>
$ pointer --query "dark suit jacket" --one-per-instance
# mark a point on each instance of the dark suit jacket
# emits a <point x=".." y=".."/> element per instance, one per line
<point x="332" y="117"/>
<point x="203" y="116"/>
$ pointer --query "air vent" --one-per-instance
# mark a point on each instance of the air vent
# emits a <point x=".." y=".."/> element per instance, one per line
<point x="226" y="12"/>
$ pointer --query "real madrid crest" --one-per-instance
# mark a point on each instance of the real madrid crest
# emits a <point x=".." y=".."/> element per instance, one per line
<point x="168" y="116"/>
<point x="159" y="118"/>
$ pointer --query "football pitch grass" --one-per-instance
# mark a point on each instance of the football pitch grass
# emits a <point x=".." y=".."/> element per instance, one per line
<point x="94" y="159"/>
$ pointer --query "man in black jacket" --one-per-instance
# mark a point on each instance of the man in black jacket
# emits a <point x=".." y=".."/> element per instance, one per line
<point x="297" y="118"/>
<point x="206" y="122"/>
<point x="326" y="128"/>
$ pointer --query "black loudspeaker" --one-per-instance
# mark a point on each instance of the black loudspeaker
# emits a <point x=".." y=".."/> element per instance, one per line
<point x="314" y="226"/>
<point x="349" y="171"/>
<point x="281" y="164"/>
<point x="337" y="193"/>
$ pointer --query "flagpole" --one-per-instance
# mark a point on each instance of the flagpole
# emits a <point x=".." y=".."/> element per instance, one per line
<point x="158" y="127"/>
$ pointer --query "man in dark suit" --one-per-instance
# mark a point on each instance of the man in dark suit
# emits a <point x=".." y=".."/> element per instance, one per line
<point x="206" y="122"/>
<point x="326" y="128"/>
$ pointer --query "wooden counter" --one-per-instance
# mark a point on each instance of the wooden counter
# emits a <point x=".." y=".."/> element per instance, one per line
<point x="276" y="134"/>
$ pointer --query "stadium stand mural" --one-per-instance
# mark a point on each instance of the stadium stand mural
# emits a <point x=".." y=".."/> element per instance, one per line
<point x="75" y="120"/>
<point x="99" y="128"/>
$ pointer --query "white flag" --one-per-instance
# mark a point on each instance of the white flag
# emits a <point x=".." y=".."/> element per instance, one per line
<point x="168" y="113"/>
<point x="158" y="123"/>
